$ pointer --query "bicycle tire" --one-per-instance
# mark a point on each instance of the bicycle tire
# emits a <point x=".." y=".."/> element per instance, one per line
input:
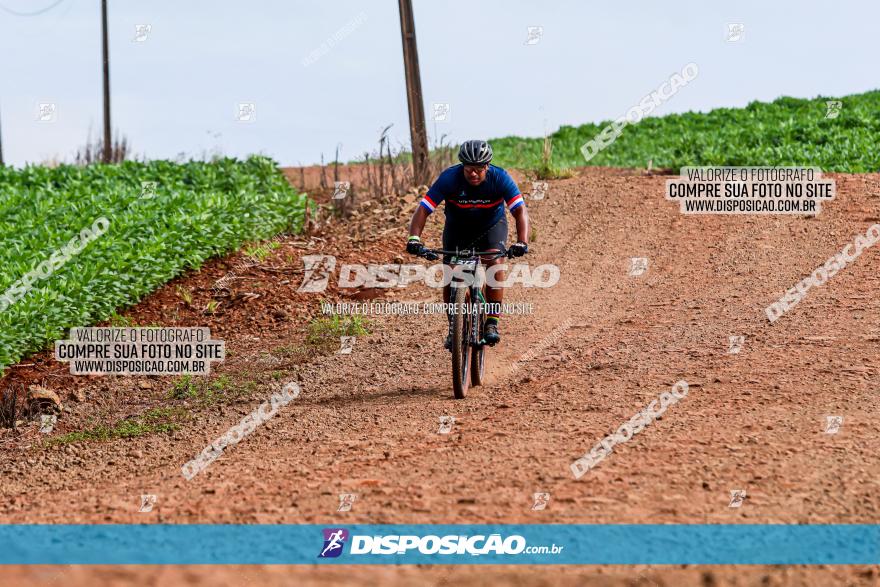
<point x="478" y="353"/>
<point x="461" y="343"/>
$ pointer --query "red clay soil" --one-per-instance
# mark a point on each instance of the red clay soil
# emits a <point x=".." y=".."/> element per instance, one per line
<point x="598" y="348"/>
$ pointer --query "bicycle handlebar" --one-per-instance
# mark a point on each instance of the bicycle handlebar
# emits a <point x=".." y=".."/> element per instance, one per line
<point x="469" y="253"/>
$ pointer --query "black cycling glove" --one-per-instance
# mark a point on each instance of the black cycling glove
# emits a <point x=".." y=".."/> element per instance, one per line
<point x="414" y="246"/>
<point x="518" y="249"/>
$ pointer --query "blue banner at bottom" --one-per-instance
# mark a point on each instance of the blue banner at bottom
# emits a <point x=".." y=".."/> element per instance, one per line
<point x="533" y="544"/>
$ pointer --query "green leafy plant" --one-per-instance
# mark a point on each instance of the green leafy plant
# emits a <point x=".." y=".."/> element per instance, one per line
<point x="205" y="391"/>
<point x="183" y="388"/>
<point x="785" y="132"/>
<point x="204" y="209"/>
<point x="119" y="321"/>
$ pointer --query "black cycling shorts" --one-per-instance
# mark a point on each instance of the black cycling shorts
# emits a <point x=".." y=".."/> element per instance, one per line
<point x="458" y="236"/>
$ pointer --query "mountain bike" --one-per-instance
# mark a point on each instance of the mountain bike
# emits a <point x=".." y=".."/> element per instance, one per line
<point x="469" y="315"/>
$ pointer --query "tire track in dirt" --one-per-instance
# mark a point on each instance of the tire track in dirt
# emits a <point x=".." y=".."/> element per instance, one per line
<point x="366" y="423"/>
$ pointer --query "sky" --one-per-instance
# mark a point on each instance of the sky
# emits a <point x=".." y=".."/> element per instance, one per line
<point x="322" y="75"/>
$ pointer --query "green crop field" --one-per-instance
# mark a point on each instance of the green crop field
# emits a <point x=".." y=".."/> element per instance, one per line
<point x="79" y="242"/>
<point x="787" y="131"/>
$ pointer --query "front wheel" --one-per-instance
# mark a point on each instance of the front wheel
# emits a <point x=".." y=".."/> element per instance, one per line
<point x="461" y="334"/>
<point x="478" y="353"/>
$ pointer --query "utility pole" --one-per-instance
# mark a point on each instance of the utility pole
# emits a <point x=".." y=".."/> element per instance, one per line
<point x="107" y="143"/>
<point x="1" y="148"/>
<point x="417" y="129"/>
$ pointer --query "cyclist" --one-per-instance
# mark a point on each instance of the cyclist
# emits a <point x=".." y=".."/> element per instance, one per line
<point x="476" y="194"/>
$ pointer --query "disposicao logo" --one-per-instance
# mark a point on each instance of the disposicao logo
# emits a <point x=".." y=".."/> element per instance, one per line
<point x="404" y="544"/>
<point x="334" y="540"/>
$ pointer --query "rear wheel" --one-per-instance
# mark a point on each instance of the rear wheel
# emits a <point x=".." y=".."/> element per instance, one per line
<point x="461" y="350"/>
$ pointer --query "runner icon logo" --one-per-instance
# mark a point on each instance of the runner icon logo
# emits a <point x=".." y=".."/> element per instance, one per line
<point x="340" y="189"/>
<point x="446" y="423"/>
<point x="735" y="31"/>
<point x="737" y="497"/>
<point x="346" y="343"/>
<point x="346" y="500"/>
<point x="440" y="111"/>
<point x="541" y="501"/>
<point x="147" y="503"/>
<point x="334" y="540"/>
<point x="539" y="189"/>
<point x="736" y="344"/>
<point x="834" y="107"/>
<point x="638" y="266"/>
<point x="47" y="422"/>
<point x="832" y="424"/>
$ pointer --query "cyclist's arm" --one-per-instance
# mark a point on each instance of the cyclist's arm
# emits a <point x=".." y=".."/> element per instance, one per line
<point x="433" y="198"/>
<point x="521" y="215"/>
<point x="517" y="206"/>
<point x="417" y="224"/>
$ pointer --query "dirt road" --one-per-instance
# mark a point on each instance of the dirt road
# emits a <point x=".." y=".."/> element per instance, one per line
<point x="601" y="345"/>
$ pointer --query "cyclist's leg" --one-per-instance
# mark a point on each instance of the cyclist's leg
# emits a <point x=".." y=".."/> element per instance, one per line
<point x="495" y="240"/>
<point x="449" y="245"/>
<point x="460" y="235"/>
<point x="495" y="295"/>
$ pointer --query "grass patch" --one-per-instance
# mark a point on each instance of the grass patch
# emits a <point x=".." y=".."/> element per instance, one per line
<point x="207" y="392"/>
<point x="294" y="352"/>
<point x="547" y="170"/>
<point x="184" y="294"/>
<point x="260" y="252"/>
<point x="325" y="331"/>
<point x="165" y="419"/>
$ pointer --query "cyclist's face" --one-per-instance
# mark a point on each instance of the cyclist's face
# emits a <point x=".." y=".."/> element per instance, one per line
<point x="475" y="174"/>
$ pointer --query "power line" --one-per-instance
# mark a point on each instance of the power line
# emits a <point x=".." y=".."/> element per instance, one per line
<point x="37" y="13"/>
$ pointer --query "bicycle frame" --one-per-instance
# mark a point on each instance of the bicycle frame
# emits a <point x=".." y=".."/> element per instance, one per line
<point x="466" y="327"/>
<point x="472" y="261"/>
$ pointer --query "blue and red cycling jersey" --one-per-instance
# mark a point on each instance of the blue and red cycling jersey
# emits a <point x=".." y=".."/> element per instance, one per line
<point x="473" y="205"/>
